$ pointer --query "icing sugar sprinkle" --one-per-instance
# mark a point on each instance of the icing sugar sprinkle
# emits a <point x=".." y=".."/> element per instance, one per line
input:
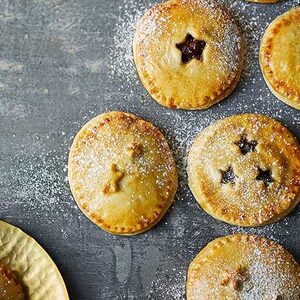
<point x="37" y="180"/>
<point x="252" y="20"/>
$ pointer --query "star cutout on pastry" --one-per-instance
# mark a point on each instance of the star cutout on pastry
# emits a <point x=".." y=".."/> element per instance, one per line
<point x="115" y="176"/>
<point x="265" y="176"/>
<point x="135" y="150"/>
<point x="228" y="176"/>
<point x="246" y="146"/>
<point x="235" y="278"/>
<point x="191" y="48"/>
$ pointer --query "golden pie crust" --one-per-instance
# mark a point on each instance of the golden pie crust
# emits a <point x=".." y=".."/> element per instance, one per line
<point x="245" y="170"/>
<point x="10" y="287"/>
<point x="280" y="57"/>
<point x="31" y="265"/>
<point x="122" y="173"/>
<point x="199" y="83"/>
<point x="243" y="267"/>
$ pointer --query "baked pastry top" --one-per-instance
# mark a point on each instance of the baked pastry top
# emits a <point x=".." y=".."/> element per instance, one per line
<point x="31" y="270"/>
<point x="245" y="170"/>
<point x="10" y="287"/>
<point x="280" y="57"/>
<point x="122" y="173"/>
<point x="243" y="267"/>
<point x="188" y="53"/>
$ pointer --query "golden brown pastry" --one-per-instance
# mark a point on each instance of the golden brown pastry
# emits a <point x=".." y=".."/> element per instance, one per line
<point x="245" y="170"/>
<point x="243" y="267"/>
<point x="10" y="288"/>
<point x="24" y="261"/>
<point x="122" y="173"/>
<point x="280" y="57"/>
<point x="188" y="53"/>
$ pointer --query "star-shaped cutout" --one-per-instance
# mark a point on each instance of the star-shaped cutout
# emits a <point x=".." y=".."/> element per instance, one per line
<point x="235" y="278"/>
<point x="135" y="150"/>
<point x="228" y="176"/>
<point x="112" y="185"/>
<point x="191" y="48"/>
<point x="265" y="176"/>
<point x="246" y="146"/>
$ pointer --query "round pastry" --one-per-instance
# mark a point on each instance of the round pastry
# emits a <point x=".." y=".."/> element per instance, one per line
<point x="122" y="173"/>
<point x="26" y="270"/>
<point x="241" y="267"/>
<point x="245" y="170"/>
<point x="10" y="288"/>
<point x="188" y="53"/>
<point x="280" y="57"/>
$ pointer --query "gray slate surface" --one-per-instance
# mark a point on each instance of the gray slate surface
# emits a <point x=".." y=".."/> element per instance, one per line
<point x="56" y="63"/>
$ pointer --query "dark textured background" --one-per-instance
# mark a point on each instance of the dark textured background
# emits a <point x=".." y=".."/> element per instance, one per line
<point x="63" y="62"/>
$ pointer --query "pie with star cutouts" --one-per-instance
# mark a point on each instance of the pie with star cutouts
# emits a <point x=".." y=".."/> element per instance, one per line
<point x="279" y="57"/>
<point x="243" y="267"/>
<point x="122" y="173"/>
<point x="245" y="170"/>
<point x="188" y="53"/>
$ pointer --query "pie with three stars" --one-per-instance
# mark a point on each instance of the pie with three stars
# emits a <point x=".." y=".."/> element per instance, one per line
<point x="26" y="270"/>
<point x="280" y="57"/>
<point x="243" y="267"/>
<point x="188" y="53"/>
<point x="122" y="173"/>
<point x="245" y="170"/>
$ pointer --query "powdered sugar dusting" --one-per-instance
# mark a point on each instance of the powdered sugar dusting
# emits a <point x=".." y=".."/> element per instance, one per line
<point x="264" y="270"/>
<point x="102" y="162"/>
<point x="217" y="150"/>
<point x="252" y="21"/>
<point x="271" y="276"/>
<point x="121" y="60"/>
<point x="37" y="136"/>
<point x="247" y="15"/>
<point x="42" y="185"/>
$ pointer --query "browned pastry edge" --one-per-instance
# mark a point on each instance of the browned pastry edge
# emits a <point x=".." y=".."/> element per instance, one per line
<point x="280" y="88"/>
<point x="160" y="210"/>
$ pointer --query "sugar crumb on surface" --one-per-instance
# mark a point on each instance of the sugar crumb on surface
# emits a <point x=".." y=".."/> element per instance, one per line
<point x="184" y="127"/>
<point x="37" y="181"/>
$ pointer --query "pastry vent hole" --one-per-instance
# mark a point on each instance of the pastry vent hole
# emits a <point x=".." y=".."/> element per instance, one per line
<point x="228" y="176"/>
<point x="191" y="48"/>
<point x="265" y="176"/>
<point x="246" y="146"/>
